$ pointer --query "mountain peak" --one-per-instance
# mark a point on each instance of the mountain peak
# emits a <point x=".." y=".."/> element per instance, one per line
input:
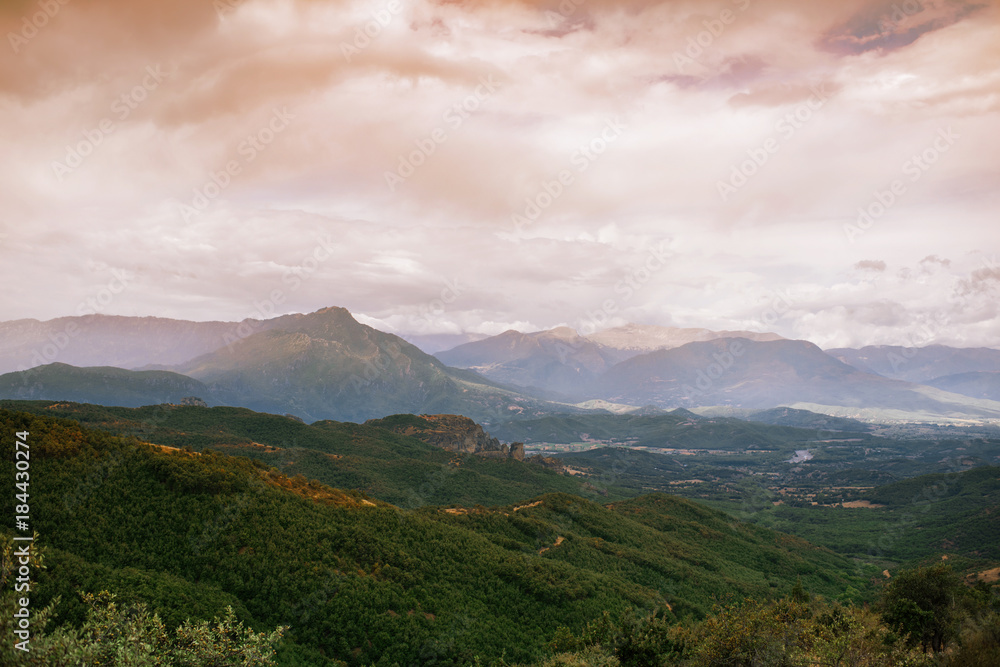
<point x="561" y="332"/>
<point x="331" y="314"/>
<point x="335" y="310"/>
<point x="330" y="323"/>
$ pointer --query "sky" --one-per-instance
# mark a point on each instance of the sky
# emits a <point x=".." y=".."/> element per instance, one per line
<point x="827" y="171"/>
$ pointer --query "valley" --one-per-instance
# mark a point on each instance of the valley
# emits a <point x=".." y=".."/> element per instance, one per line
<point x="379" y="507"/>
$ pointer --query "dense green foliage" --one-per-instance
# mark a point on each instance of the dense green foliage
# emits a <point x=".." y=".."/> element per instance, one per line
<point x="502" y="561"/>
<point x="359" y="580"/>
<point x="680" y="429"/>
<point x="115" y="633"/>
<point x="391" y="467"/>
<point x="865" y="496"/>
<point x="99" y="384"/>
<point x="800" y="632"/>
<point x="955" y="515"/>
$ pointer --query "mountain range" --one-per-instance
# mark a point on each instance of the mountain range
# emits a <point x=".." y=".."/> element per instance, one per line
<point x="562" y="361"/>
<point x="983" y="384"/>
<point x="919" y="364"/>
<point x="324" y="365"/>
<point x="110" y="340"/>
<point x="752" y="374"/>
<point x="327" y="365"/>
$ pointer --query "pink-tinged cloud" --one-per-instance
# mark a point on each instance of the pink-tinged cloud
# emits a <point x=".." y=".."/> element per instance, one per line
<point x="535" y="151"/>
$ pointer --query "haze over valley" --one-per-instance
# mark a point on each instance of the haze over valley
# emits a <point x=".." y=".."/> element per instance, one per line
<point x="327" y="365"/>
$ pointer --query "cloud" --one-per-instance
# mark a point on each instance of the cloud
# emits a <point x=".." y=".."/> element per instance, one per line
<point x="408" y="97"/>
<point x="983" y="281"/>
<point x="889" y="26"/>
<point x="932" y="260"/>
<point x="870" y="265"/>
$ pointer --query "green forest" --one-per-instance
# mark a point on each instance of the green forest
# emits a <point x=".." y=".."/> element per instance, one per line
<point x="183" y="536"/>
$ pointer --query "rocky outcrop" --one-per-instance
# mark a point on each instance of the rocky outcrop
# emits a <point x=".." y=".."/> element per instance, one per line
<point x="517" y="450"/>
<point x="454" y="433"/>
<point x="548" y="462"/>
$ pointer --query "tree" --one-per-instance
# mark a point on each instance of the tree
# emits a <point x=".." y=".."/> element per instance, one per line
<point x="799" y="593"/>
<point x="923" y="604"/>
<point x="129" y="635"/>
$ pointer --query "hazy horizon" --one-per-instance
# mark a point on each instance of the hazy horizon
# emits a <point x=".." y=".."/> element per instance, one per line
<point x="429" y="340"/>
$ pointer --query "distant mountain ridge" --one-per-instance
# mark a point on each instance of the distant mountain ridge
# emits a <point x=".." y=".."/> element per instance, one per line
<point x="434" y="343"/>
<point x="104" y="385"/>
<point x="981" y="384"/>
<point x="768" y="371"/>
<point x="646" y="338"/>
<point x="754" y="374"/>
<point x="111" y="340"/>
<point x="327" y="365"/>
<point x="918" y="364"/>
<point x="561" y="360"/>
<point x="558" y="360"/>
<point x="321" y="365"/>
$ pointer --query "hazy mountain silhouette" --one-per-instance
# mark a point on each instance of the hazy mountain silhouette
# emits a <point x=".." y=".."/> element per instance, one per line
<point x="919" y="364"/>
<point x="753" y="374"/>
<point x="327" y="365"/>
<point x="103" y="385"/>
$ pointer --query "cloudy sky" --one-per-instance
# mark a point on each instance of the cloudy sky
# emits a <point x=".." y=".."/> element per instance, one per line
<point x="824" y="170"/>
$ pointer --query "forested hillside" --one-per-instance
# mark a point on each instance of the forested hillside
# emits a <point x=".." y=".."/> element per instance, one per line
<point x="362" y="581"/>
